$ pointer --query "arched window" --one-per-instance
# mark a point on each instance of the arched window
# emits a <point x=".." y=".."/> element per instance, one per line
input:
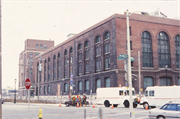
<point x="40" y="90"/>
<point x="97" y="40"/>
<point x="45" y="70"/>
<point x="48" y="89"/>
<point x="177" y="48"/>
<point x="58" y="55"/>
<point x="80" y="85"/>
<point x="86" y="57"/>
<point x="148" y="81"/>
<point x="86" y="44"/>
<point x="107" y="82"/>
<point x="48" y="69"/>
<point x="106" y="35"/>
<point x="98" y="83"/>
<point x="147" y="58"/>
<point x="65" y="52"/>
<point x="79" y="47"/>
<point x="163" y="50"/>
<point x="54" y="67"/>
<point x="45" y="90"/>
<point x="165" y="82"/>
<point x="65" y="87"/>
<point x="71" y="50"/>
<point x="87" y="85"/>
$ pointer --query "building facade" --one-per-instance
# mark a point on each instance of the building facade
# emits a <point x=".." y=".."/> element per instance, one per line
<point x="26" y="62"/>
<point x="91" y="57"/>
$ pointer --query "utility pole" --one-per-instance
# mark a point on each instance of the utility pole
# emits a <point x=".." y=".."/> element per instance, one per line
<point x="39" y="71"/>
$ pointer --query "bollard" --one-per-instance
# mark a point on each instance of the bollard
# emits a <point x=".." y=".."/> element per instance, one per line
<point x="40" y="113"/>
<point x="84" y="113"/>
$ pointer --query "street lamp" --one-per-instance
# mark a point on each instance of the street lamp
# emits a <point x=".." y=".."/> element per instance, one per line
<point x="166" y="66"/>
<point x="15" y="91"/>
<point x="129" y="63"/>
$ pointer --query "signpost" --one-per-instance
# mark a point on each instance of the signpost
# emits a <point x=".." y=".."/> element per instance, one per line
<point x="28" y="85"/>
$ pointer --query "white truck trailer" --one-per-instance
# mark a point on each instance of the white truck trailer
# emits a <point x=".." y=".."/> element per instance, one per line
<point x="159" y="95"/>
<point x="115" y="96"/>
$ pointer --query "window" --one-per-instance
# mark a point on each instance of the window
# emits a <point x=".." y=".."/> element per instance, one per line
<point x="163" y="50"/>
<point x="80" y="57"/>
<point x="80" y="85"/>
<point x="58" y="74"/>
<point x="87" y="85"/>
<point x="98" y="50"/>
<point x="86" y="54"/>
<point x="58" y="55"/>
<point x="171" y="107"/>
<point x="66" y="72"/>
<point x="146" y="49"/>
<point x="86" y="67"/>
<point x="97" y="39"/>
<point x="65" y="53"/>
<point x="79" y="47"/>
<point x="106" y="36"/>
<point x="45" y="46"/>
<point x="48" y="89"/>
<point x="148" y="81"/>
<point x="107" y="63"/>
<point x="54" y="67"/>
<point x="178" y="107"/>
<point x="146" y="93"/>
<point x="151" y="93"/>
<point x="164" y="82"/>
<point x="121" y="92"/>
<point x="40" y="90"/>
<point x="30" y="53"/>
<point x="86" y="44"/>
<point x="37" y="46"/>
<point x="98" y="83"/>
<point x="80" y="69"/>
<point x="107" y="82"/>
<point x="178" y="81"/>
<point x="107" y="48"/>
<point x="177" y="48"/>
<point x="98" y="64"/>
<point x="41" y="46"/>
<point x="37" y="53"/>
<point x="71" y="50"/>
<point x="65" y="87"/>
<point x="164" y="107"/>
<point x="45" y="90"/>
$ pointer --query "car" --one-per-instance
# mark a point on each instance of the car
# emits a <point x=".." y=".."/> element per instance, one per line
<point x="69" y="103"/>
<point x="170" y="110"/>
<point x="2" y="101"/>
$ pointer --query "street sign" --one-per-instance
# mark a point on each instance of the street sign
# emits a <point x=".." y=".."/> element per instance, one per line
<point x="27" y="83"/>
<point x="122" y="57"/>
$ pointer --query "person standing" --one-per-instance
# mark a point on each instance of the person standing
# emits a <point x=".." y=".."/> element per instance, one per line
<point x="79" y="97"/>
<point x="73" y="100"/>
<point x="84" y="99"/>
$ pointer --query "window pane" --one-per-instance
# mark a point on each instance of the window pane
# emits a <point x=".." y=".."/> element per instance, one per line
<point x="107" y="82"/>
<point x="148" y="81"/>
<point x="87" y="85"/>
<point x="37" y="46"/>
<point x="177" y="48"/>
<point x="41" y="46"/>
<point x="80" y="86"/>
<point x="45" y="46"/>
<point x="171" y="107"/>
<point x="178" y="82"/>
<point x="98" y="83"/>
<point x="164" y="82"/>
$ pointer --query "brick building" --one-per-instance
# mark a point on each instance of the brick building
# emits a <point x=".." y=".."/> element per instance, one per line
<point x="91" y="56"/>
<point x="26" y="58"/>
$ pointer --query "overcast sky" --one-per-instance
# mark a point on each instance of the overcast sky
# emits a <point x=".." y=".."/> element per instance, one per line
<point x="56" y="19"/>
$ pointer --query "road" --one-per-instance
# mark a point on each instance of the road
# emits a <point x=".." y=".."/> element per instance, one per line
<point x="53" y="111"/>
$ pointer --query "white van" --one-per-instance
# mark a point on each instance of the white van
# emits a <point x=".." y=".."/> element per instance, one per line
<point x="160" y="95"/>
<point x="115" y="96"/>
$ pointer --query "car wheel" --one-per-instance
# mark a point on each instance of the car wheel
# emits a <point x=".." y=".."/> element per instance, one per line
<point x="67" y="105"/>
<point x="160" y="117"/>
<point x="126" y="104"/>
<point x="106" y="103"/>
<point x="144" y="105"/>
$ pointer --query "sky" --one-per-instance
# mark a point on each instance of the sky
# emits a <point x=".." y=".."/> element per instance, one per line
<point x="55" y="19"/>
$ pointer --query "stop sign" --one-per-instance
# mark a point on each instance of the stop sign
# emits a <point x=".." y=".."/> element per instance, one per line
<point x="27" y="83"/>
